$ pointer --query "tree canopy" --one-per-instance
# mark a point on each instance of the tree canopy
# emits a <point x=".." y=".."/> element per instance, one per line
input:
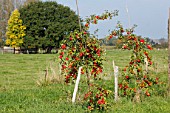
<point x="6" y="7"/>
<point x="15" y="30"/>
<point x="47" y="23"/>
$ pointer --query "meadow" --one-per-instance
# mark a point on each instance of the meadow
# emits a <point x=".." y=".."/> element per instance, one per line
<point x="24" y="90"/>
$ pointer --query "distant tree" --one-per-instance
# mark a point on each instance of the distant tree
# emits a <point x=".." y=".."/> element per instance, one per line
<point x="47" y="24"/>
<point x="152" y="42"/>
<point x="111" y="42"/>
<point x="148" y="39"/>
<point x="163" y="42"/>
<point x="30" y="1"/>
<point x="106" y="42"/>
<point x="17" y="3"/>
<point x="15" y="30"/>
<point x="6" y="7"/>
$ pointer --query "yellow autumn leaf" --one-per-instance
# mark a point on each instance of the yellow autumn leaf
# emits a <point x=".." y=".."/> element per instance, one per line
<point x="23" y="34"/>
<point x="20" y="41"/>
<point x="14" y="42"/>
<point x="20" y="21"/>
<point x="8" y="42"/>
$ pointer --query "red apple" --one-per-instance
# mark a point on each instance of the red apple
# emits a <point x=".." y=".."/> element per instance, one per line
<point x="60" y="56"/>
<point x="67" y="58"/>
<point x="63" y="46"/>
<point x="86" y="25"/>
<point x="71" y="38"/>
<point x="97" y="17"/>
<point x="142" y="40"/>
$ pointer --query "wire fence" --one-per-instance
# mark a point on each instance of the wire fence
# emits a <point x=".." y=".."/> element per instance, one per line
<point x="159" y="59"/>
<point x="20" y="51"/>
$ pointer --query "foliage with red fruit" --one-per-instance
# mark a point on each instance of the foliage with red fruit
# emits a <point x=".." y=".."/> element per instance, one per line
<point x="96" y="98"/>
<point x="82" y="49"/>
<point x="134" y="76"/>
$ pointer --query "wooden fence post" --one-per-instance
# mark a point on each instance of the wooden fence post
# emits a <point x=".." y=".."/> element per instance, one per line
<point x="169" y="53"/>
<point x="76" y="85"/>
<point x="78" y="14"/>
<point x="2" y="50"/>
<point x="46" y="74"/>
<point x="116" y="80"/>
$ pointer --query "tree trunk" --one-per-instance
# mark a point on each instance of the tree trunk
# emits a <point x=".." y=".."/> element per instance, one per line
<point x="14" y="50"/>
<point x="36" y="49"/>
<point x="88" y="78"/>
<point x="137" y="97"/>
<point x="49" y="49"/>
<point x="169" y="54"/>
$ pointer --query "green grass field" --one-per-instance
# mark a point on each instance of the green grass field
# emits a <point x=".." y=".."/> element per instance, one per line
<point x="21" y="93"/>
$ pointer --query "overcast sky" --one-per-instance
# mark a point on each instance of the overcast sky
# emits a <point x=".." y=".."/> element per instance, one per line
<point x="150" y="16"/>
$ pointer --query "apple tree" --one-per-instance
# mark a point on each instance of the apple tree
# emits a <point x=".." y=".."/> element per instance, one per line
<point x="82" y="49"/>
<point x="135" y="79"/>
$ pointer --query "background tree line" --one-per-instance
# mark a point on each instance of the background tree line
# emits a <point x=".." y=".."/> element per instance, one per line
<point x="156" y="43"/>
<point x="47" y="23"/>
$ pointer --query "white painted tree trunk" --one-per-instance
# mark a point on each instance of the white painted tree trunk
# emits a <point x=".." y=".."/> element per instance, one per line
<point x="146" y="64"/>
<point x="116" y="80"/>
<point x="76" y="85"/>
